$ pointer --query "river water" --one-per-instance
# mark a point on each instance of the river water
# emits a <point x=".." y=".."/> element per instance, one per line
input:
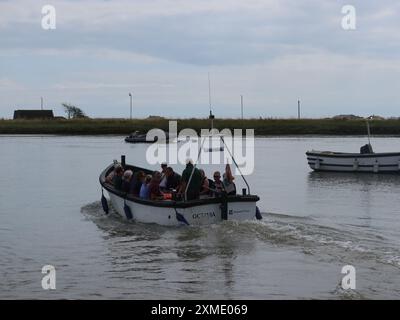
<point x="314" y="224"/>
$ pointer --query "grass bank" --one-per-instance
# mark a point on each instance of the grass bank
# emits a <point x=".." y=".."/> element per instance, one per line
<point x="261" y="126"/>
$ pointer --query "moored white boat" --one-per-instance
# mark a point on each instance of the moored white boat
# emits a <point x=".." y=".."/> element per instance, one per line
<point x="354" y="162"/>
<point x="174" y="213"/>
<point x="365" y="161"/>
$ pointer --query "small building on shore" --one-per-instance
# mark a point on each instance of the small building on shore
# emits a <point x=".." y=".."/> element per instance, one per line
<point x="375" y="117"/>
<point x="346" y="117"/>
<point x="33" y="114"/>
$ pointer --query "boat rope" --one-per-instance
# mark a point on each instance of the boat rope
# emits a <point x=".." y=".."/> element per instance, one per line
<point x="127" y="210"/>
<point x="224" y="206"/>
<point x="258" y="214"/>
<point x="104" y="202"/>
<point x="194" y="167"/>
<point x="180" y="217"/>
<point x="234" y="161"/>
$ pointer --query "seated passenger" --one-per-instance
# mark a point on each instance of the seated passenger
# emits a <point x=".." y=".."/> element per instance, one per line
<point x="136" y="183"/>
<point x="163" y="179"/>
<point x="193" y="190"/>
<point x="217" y="186"/>
<point x="144" y="189"/>
<point x="126" y="180"/>
<point x="173" y="179"/>
<point x="111" y="175"/>
<point x="228" y="178"/>
<point x="154" y="187"/>
<point x="117" y="178"/>
<point x="204" y="189"/>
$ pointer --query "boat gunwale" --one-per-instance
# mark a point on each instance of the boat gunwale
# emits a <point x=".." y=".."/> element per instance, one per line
<point x="169" y="203"/>
<point x="351" y="155"/>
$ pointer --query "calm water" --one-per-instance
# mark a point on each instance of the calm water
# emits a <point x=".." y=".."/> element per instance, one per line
<point x="314" y="224"/>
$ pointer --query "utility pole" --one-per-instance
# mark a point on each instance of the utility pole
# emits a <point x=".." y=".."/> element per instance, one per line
<point x="41" y="103"/>
<point x="130" y="96"/>
<point x="241" y="105"/>
<point x="298" y="109"/>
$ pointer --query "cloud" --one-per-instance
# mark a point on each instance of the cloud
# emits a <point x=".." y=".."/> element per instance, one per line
<point x="204" y="32"/>
<point x="271" y="51"/>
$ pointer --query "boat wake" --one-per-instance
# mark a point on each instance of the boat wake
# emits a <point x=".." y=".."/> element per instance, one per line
<point x="301" y="233"/>
<point x="313" y="238"/>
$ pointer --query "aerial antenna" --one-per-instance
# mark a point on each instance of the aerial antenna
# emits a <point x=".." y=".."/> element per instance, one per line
<point x="211" y="117"/>
<point x="369" y="132"/>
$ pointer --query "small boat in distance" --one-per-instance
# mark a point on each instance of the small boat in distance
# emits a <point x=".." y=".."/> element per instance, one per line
<point x="365" y="161"/>
<point x="137" y="137"/>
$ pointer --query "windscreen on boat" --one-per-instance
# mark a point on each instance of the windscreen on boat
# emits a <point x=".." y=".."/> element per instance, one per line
<point x="366" y="149"/>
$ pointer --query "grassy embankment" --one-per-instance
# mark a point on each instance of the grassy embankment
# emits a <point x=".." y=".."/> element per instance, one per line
<point x="261" y="126"/>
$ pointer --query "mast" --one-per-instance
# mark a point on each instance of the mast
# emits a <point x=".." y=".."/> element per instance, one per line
<point x="211" y="117"/>
<point x="241" y="105"/>
<point x="369" y="133"/>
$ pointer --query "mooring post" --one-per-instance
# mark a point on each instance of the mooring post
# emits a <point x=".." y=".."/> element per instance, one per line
<point x="123" y="161"/>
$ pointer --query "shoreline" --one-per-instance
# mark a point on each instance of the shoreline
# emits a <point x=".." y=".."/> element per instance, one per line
<point x="262" y="127"/>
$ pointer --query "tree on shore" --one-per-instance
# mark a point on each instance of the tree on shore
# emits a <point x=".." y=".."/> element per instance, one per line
<point x="73" y="112"/>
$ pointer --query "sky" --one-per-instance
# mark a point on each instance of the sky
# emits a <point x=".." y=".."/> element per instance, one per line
<point x="273" y="52"/>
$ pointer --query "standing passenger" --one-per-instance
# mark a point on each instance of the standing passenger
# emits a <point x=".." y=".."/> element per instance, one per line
<point x="193" y="174"/>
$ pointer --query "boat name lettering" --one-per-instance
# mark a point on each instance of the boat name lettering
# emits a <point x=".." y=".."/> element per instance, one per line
<point x="203" y="215"/>
<point x="238" y="211"/>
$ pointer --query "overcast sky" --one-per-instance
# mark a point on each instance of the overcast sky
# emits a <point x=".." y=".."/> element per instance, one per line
<point x="270" y="51"/>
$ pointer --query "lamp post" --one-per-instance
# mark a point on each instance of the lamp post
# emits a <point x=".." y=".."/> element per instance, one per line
<point x="41" y="103"/>
<point x="241" y="105"/>
<point x="298" y="109"/>
<point x="130" y="96"/>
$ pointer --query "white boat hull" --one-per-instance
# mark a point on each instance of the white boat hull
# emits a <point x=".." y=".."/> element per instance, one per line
<point x="354" y="162"/>
<point x="197" y="215"/>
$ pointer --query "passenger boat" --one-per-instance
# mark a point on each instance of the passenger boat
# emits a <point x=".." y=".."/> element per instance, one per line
<point x="174" y="212"/>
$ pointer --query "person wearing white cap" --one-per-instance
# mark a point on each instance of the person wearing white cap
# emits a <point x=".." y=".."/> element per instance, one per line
<point x="126" y="180"/>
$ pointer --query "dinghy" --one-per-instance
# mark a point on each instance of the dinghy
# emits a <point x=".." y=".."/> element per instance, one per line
<point x="177" y="212"/>
<point x="365" y="161"/>
<point x="354" y="162"/>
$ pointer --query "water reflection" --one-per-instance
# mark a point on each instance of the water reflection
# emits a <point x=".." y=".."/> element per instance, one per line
<point x="358" y="197"/>
<point x="190" y="259"/>
<point x="317" y="179"/>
